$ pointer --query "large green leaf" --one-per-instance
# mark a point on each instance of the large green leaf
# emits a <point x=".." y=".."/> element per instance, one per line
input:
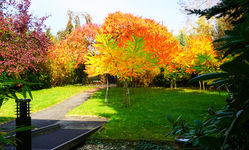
<point x="232" y="44"/>
<point x="219" y="82"/>
<point x="210" y="76"/>
<point x="29" y="91"/>
<point x="235" y="67"/>
<point x="24" y="90"/>
<point x="237" y="50"/>
<point x="240" y="120"/>
<point x="20" y="129"/>
<point x="1" y="101"/>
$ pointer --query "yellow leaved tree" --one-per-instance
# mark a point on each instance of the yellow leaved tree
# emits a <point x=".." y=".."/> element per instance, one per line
<point x="126" y="62"/>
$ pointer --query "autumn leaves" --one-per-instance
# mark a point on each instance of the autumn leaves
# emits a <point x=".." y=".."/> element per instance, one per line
<point x="129" y="47"/>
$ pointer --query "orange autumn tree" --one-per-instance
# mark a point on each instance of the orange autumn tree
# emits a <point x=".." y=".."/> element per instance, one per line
<point x="201" y="57"/>
<point x="70" y="53"/>
<point x="125" y="58"/>
<point x="198" y="56"/>
<point x="158" y="41"/>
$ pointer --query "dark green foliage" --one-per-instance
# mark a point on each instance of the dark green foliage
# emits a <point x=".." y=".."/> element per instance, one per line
<point x="198" y="133"/>
<point x="160" y="81"/>
<point x="230" y="9"/>
<point x="80" y="76"/>
<point x="8" y="138"/>
<point x="227" y="128"/>
<point x="180" y="126"/>
<point x="8" y="90"/>
<point x="41" y="77"/>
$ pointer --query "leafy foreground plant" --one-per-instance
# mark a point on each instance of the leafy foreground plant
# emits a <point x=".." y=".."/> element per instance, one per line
<point x="8" y="138"/>
<point x="195" y="134"/>
<point x="228" y="127"/>
<point x="8" y="90"/>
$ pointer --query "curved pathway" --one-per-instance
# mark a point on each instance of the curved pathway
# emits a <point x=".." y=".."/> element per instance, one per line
<point x="58" y="112"/>
<point x="56" y="131"/>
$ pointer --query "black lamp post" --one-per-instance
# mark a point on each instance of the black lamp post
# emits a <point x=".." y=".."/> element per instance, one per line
<point x="23" y="119"/>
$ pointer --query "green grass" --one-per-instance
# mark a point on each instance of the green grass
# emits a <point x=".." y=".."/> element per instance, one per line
<point x="147" y="116"/>
<point x="41" y="99"/>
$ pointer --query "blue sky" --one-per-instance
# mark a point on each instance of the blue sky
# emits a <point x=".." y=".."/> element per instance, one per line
<point x="166" y="11"/>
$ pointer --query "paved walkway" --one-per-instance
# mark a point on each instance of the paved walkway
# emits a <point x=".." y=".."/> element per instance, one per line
<point x="71" y="130"/>
<point x="58" y="112"/>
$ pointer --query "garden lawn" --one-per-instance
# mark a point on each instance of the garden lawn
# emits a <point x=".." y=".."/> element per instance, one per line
<point x="42" y="99"/>
<point x="146" y="118"/>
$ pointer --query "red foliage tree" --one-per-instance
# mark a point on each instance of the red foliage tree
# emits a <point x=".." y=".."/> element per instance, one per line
<point x="23" y="44"/>
<point x="76" y="45"/>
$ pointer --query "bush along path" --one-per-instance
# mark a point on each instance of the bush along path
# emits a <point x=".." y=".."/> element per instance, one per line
<point x="54" y="130"/>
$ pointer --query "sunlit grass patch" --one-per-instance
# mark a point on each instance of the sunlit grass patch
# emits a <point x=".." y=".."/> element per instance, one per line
<point x="146" y="118"/>
<point x="41" y="99"/>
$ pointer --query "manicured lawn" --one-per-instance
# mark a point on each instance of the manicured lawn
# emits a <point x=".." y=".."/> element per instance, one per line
<point x="42" y="99"/>
<point x="147" y="116"/>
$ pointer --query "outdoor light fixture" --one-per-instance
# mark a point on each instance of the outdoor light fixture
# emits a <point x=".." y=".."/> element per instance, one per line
<point x="23" y="119"/>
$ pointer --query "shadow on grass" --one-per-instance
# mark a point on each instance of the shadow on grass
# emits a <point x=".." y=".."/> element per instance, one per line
<point x="49" y="134"/>
<point x="146" y="118"/>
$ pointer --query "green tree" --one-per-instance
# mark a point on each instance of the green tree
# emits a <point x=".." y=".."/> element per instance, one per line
<point x="126" y="62"/>
<point x="214" y="27"/>
<point x="227" y="128"/>
<point x="182" y="39"/>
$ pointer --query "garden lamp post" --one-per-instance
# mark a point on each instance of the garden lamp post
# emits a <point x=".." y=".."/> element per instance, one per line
<point x="23" y="119"/>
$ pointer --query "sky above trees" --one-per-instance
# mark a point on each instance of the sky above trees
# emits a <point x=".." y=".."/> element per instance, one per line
<point x="166" y="11"/>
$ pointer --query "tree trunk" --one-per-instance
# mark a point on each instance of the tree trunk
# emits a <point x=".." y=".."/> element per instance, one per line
<point x="200" y="85"/>
<point x="107" y="88"/>
<point x="175" y="83"/>
<point x="171" y="83"/>
<point x="126" y="94"/>
<point x="203" y="85"/>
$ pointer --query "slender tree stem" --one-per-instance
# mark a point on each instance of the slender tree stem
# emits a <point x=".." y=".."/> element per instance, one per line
<point x="107" y="88"/>
<point x="200" y="85"/>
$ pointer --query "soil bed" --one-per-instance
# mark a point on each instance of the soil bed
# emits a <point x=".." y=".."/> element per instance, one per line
<point x="103" y="144"/>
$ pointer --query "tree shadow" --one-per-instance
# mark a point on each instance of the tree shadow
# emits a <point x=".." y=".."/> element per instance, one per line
<point x="147" y="115"/>
<point x="49" y="134"/>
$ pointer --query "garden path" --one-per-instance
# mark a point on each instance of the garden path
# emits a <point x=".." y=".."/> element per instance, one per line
<point x="54" y="130"/>
<point x="58" y="112"/>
